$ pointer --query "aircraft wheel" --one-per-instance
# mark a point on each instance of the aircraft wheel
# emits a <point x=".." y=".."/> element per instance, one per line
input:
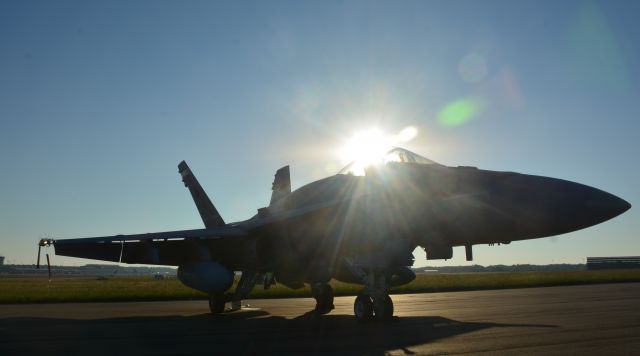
<point x="384" y="308"/>
<point x="324" y="299"/>
<point x="363" y="308"/>
<point x="216" y="303"/>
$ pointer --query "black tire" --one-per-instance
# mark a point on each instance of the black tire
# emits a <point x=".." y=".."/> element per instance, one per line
<point x="389" y="306"/>
<point x="324" y="299"/>
<point x="328" y="295"/>
<point x="363" y="308"/>
<point x="385" y="310"/>
<point x="216" y="303"/>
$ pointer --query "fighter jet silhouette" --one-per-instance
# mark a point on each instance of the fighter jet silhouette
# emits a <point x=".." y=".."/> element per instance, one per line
<point x="358" y="226"/>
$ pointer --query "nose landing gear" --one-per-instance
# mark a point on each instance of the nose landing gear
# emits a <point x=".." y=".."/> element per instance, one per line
<point x="323" y="294"/>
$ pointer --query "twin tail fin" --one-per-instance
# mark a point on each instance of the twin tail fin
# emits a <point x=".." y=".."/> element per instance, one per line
<point x="208" y="212"/>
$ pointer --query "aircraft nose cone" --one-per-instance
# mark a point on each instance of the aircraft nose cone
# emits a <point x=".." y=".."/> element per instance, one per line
<point x="578" y="206"/>
<point x="548" y="206"/>
<point x="604" y="206"/>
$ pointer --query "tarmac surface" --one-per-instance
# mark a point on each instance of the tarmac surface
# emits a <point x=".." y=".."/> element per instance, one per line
<point x="595" y="319"/>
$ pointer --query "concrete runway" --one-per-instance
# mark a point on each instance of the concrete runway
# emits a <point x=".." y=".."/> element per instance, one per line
<point x="597" y="319"/>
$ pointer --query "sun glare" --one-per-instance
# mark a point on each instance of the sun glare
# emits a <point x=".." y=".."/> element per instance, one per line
<point x="366" y="147"/>
<point x="370" y="146"/>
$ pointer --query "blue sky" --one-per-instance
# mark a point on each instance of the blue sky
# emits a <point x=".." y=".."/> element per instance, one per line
<point x="99" y="101"/>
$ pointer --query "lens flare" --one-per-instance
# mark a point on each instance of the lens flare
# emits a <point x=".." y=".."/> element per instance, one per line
<point x="595" y="57"/>
<point x="407" y="134"/>
<point x="473" y="68"/>
<point x="459" y="112"/>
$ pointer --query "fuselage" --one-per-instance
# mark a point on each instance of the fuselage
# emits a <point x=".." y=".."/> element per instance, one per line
<point x="366" y="220"/>
<point x="379" y="218"/>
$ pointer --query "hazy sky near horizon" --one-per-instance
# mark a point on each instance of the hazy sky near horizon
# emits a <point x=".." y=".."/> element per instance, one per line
<point x="99" y="101"/>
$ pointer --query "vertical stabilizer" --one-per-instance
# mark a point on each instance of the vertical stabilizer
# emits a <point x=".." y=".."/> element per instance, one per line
<point x="208" y="212"/>
<point x="281" y="184"/>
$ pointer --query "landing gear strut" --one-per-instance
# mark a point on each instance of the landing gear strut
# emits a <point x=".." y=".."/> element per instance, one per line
<point x="248" y="280"/>
<point x="245" y="286"/>
<point x="323" y="294"/>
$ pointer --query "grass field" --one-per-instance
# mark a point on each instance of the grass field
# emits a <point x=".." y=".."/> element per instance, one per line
<point x="77" y="289"/>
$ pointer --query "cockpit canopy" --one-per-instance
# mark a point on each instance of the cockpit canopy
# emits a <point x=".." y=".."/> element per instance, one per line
<point x="395" y="155"/>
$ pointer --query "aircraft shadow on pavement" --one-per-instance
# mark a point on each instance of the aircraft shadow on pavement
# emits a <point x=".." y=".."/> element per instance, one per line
<point x="243" y="332"/>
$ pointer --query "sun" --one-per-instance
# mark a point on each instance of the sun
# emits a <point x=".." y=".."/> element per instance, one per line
<point x="365" y="147"/>
<point x="370" y="146"/>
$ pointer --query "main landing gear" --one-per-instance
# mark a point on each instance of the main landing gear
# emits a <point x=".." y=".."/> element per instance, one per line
<point x="216" y="303"/>
<point x="323" y="294"/>
<point x="367" y="308"/>
<point x="373" y="302"/>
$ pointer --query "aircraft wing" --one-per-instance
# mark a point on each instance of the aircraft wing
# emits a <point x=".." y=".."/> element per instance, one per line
<point x="162" y="248"/>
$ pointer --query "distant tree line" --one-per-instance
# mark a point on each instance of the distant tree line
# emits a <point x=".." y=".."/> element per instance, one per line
<point x="502" y="268"/>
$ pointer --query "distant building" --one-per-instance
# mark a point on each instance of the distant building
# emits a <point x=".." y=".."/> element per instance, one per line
<point x="613" y="262"/>
<point x="1" y="260"/>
